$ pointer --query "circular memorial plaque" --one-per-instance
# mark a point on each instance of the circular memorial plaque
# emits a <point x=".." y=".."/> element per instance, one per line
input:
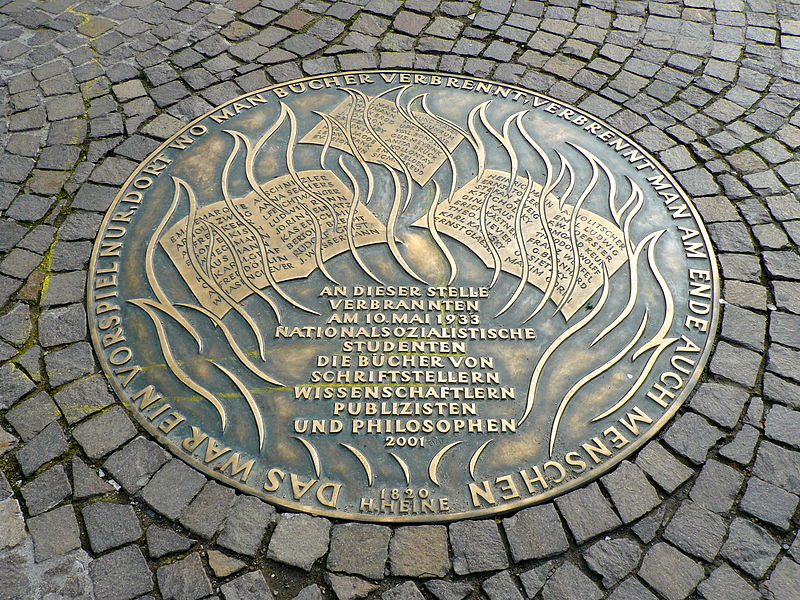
<point x="402" y="296"/>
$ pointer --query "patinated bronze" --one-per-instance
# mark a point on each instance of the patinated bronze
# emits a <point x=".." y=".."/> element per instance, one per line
<point x="401" y="296"/>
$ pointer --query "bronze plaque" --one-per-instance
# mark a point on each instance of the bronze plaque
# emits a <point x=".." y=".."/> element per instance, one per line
<point x="402" y="296"/>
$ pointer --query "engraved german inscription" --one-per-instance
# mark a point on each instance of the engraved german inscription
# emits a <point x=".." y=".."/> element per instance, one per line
<point x="402" y="296"/>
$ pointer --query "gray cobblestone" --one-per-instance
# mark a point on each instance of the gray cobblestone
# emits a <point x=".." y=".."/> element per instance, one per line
<point x="750" y="547"/>
<point x="535" y="532"/>
<point x="245" y="525"/>
<point x="121" y="575"/>
<point x="161" y="542"/>
<point x="283" y="545"/>
<point x="171" y="488"/>
<point x="110" y="525"/>
<point x="54" y="533"/>
<point x="477" y="547"/>
<point x="587" y="513"/>
<point x="670" y="572"/>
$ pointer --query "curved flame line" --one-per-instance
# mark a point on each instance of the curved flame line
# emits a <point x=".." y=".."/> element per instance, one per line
<point x="251" y="402"/>
<point x="210" y="281"/>
<point x="318" y="258"/>
<point x="312" y="452"/>
<point x="593" y="375"/>
<point x="152" y="280"/>
<point x="560" y="340"/>
<point x="480" y="148"/>
<point x="403" y="465"/>
<point x="367" y="121"/>
<point x="238" y="140"/>
<point x="447" y="122"/>
<point x="497" y="261"/>
<point x="362" y="459"/>
<point x="239" y="266"/>
<point x="433" y="467"/>
<point x="237" y="350"/>
<point x="659" y="341"/>
<point x="394" y="213"/>
<point x="350" y="216"/>
<point x="409" y="116"/>
<point x="475" y="456"/>
<point x="565" y="165"/>
<point x="542" y="210"/>
<point x="523" y="250"/>
<point x="573" y="238"/>
<point x="633" y="270"/>
<point x="147" y="306"/>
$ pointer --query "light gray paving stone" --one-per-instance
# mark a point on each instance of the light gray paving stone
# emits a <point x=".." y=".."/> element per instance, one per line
<point x="15" y="325"/>
<point x="15" y="576"/>
<point x="104" y="433"/>
<point x="535" y="532"/>
<point x="631" y="589"/>
<point x="750" y="547"/>
<point x="501" y="587"/>
<point x="47" y="490"/>
<point x="769" y="503"/>
<point x="30" y="416"/>
<point x="86" y="482"/>
<point x="721" y="403"/>
<point x="245" y="525"/>
<point x="404" y="591"/>
<point x="46" y="445"/>
<point x="696" y="530"/>
<point x="110" y="525"/>
<point x="247" y="586"/>
<point x="54" y="533"/>
<point x="735" y="363"/>
<point x="313" y="592"/>
<point x="743" y="446"/>
<point x="533" y="580"/>
<point x="206" y="513"/>
<point x="778" y="466"/>
<point x="284" y="546"/>
<point x="477" y="547"/>
<point x="419" y="551"/>
<point x="12" y="532"/>
<point x="348" y="588"/>
<point x="68" y="363"/>
<point x="161" y="541"/>
<point x="83" y="398"/>
<point x="134" y="464"/>
<point x="14" y="384"/>
<point x="184" y="579"/>
<point x="64" y="288"/>
<point x="631" y="493"/>
<point x="670" y="572"/>
<point x="692" y="436"/>
<point x="716" y="487"/>
<point x="780" y="390"/>
<point x="223" y="565"/>
<point x="784" y="581"/>
<point x="569" y="583"/>
<point x="448" y="590"/>
<point x="359" y="549"/>
<point x="783" y="425"/>
<point x="121" y="575"/>
<point x="613" y="559"/>
<point x="172" y="487"/>
<point x="725" y="584"/>
<point x="587" y="513"/>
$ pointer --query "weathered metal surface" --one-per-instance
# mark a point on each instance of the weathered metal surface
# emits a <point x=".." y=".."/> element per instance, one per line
<point x="315" y="293"/>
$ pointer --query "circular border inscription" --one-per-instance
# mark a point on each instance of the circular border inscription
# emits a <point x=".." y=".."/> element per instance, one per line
<point x="402" y="296"/>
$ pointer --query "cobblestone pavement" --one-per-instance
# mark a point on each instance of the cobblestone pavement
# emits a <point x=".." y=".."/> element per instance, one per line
<point x="88" y="505"/>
